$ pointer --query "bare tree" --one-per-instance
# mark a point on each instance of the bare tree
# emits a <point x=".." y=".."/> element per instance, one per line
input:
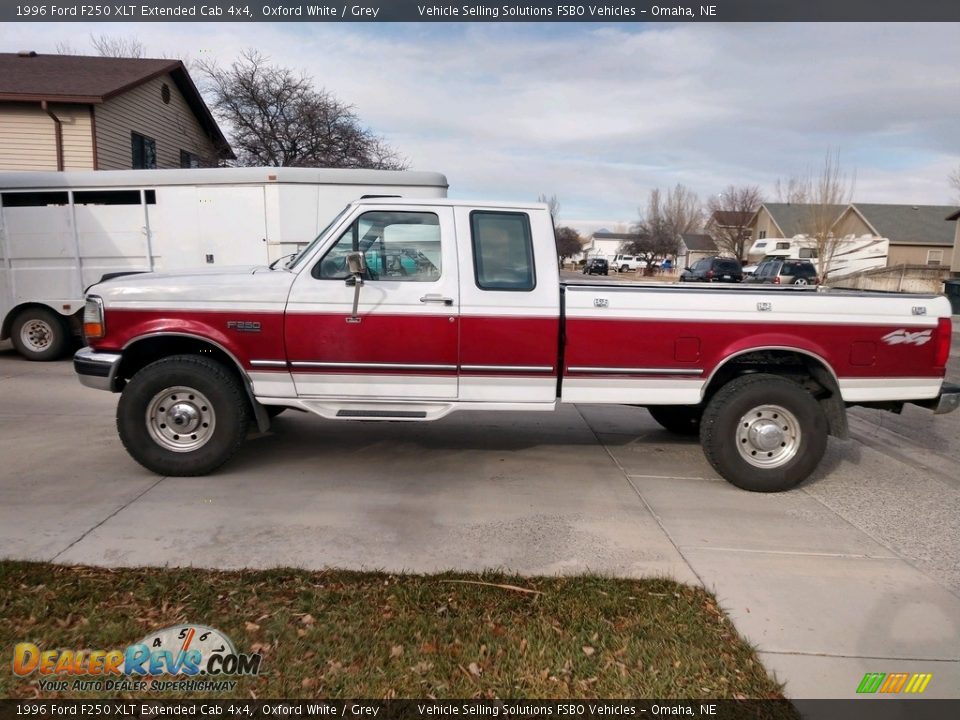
<point x="795" y="190"/>
<point x="830" y="190"/>
<point x="730" y="214"/>
<point x="955" y="182"/>
<point x="569" y="243"/>
<point x="116" y="46"/>
<point x="552" y="202"/>
<point x="277" y="117"/>
<point x="663" y="221"/>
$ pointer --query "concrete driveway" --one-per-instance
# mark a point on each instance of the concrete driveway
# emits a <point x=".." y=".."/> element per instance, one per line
<point x="855" y="572"/>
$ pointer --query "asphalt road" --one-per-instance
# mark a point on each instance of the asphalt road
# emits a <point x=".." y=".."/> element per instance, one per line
<point x="856" y="571"/>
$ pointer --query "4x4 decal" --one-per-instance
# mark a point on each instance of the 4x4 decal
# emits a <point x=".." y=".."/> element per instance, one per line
<point x="905" y="337"/>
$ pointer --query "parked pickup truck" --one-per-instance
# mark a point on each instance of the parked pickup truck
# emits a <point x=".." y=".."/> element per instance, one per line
<point x="408" y="310"/>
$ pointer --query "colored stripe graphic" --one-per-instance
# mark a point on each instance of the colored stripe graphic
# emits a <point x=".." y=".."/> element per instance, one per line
<point x="870" y="683"/>
<point x="894" y="683"/>
<point x="918" y="683"/>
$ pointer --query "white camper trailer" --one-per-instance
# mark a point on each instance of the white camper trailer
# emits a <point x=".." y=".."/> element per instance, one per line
<point x="60" y="232"/>
<point x="850" y="254"/>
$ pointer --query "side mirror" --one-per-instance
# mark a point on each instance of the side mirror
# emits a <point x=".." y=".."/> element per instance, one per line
<point x="356" y="263"/>
<point x="357" y="266"/>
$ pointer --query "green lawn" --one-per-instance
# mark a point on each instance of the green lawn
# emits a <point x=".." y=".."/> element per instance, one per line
<point x="340" y="634"/>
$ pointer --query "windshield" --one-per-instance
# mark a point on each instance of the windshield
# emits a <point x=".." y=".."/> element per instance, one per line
<point x="309" y="248"/>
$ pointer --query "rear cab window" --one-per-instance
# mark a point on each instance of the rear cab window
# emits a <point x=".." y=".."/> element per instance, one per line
<point x="502" y="251"/>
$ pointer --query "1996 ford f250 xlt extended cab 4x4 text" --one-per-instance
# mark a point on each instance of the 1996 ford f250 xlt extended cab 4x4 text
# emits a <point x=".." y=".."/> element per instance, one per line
<point x="410" y="309"/>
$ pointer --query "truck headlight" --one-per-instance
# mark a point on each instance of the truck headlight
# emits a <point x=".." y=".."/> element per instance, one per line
<point x="93" y="323"/>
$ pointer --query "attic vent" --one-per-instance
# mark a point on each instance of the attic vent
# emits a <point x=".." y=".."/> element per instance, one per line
<point x="165" y="93"/>
<point x="27" y="53"/>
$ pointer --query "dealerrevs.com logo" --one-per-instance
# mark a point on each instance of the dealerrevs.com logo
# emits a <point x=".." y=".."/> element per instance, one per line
<point x="198" y="657"/>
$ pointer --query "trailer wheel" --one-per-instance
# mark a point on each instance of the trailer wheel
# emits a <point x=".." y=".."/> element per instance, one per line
<point x="183" y="415"/>
<point x="39" y="334"/>
<point x="678" y="419"/>
<point x="763" y="433"/>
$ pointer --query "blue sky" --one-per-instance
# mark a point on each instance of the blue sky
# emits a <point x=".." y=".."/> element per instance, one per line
<point x="599" y="114"/>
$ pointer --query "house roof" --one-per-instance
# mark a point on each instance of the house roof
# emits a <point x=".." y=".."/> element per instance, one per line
<point x="910" y="224"/>
<point x="29" y="77"/>
<point x="698" y="242"/>
<point x="732" y="218"/>
<point x="794" y="218"/>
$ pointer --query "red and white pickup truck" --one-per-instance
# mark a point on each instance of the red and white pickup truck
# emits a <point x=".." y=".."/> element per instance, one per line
<point x="411" y="309"/>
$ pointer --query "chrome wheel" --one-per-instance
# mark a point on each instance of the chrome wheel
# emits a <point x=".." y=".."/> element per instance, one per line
<point x="36" y="335"/>
<point x="800" y="281"/>
<point x="180" y="419"/>
<point x="768" y="436"/>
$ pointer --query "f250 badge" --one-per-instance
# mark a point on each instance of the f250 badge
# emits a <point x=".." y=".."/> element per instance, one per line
<point x="243" y="325"/>
<point x="905" y="337"/>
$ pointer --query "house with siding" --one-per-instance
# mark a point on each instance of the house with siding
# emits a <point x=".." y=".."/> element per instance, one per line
<point x="69" y="112"/>
<point x="955" y="263"/>
<point x="917" y="234"/>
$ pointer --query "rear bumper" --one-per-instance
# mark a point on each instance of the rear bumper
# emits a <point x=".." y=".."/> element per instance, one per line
<point x="947" y="401"/>
<point x="97" y="370"/>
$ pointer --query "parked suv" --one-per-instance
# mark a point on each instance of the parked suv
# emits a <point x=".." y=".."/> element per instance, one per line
<point x="713" y="269"/>
<point x="785" y="272"/>
<point x="596" y="266"/>
<point x="628" y="263"/>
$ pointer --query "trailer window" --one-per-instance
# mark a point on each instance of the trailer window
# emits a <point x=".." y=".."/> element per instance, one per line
<point x="112" y="197"/>
<point x="33" y="199"/>
<point x="502" y="251"/>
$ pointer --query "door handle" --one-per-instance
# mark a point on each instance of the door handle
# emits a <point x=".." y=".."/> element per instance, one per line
<point x="436" y="299"/>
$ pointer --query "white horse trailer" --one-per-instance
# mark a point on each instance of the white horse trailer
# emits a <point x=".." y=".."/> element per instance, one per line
<point x="61" y="232"/>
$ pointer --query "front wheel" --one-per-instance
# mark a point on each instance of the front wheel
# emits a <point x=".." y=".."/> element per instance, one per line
<point x="183" y="415"/>
<point x="763" y="433"/>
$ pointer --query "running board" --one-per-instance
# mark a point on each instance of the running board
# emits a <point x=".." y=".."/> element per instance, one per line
<point x="384" y="414"/>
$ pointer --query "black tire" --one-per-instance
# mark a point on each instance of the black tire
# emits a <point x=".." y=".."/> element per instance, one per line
<point x="761" y="399"/>
<point x="210" y="392"/>
<point x="678" y="419"/>
<point x="40" y="334"/>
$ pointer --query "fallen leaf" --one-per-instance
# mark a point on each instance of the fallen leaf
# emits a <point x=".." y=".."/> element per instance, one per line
<point x="308" y="683"/>
<point x="251" y="627"/>
<point x="475" y="669"/>
<point x="396" y="651"/>
<point x="307" y="619"/>
<point x="588" y="651"/>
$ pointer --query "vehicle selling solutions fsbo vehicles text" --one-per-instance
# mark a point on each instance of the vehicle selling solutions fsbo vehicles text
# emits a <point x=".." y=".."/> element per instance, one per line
<point x="515" y="11"/>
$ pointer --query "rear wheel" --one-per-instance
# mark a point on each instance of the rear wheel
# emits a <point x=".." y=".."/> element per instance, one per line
<point x="678" y="419"/>
<point x="763" y="433"/>
<point x="39" y="334"/>
<point x="183" y="415"/>
<point x="801" y="281"/>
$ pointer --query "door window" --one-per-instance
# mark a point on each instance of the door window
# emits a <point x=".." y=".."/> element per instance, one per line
<point x="397" y="245"/>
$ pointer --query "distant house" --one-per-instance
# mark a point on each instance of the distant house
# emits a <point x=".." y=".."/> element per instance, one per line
<point x="66" y="112"/>
<point x="917" y="234"/>
<point x="955" y="262"/>
<point x="694" y="246"/>
<point x="606" y="244"/>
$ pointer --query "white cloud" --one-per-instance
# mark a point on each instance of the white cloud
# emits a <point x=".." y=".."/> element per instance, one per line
<point x="599" y="115"/>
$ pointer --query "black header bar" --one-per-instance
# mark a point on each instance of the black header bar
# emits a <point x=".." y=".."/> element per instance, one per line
<point x="481" y="11"/>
